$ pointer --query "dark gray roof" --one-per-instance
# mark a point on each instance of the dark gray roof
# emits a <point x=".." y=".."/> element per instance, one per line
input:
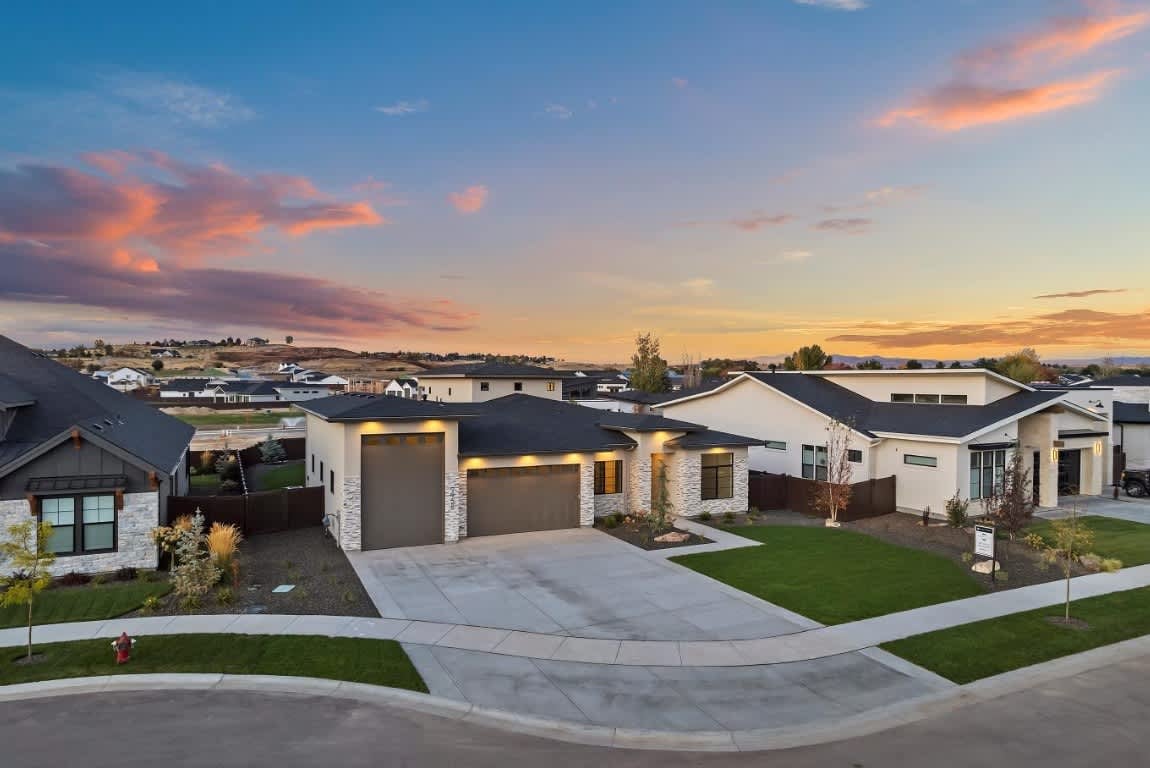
<point x="869" y="417"/>
<point x="642" y="398"/>
<point x="12" y="394"/>
<point x="1131" y="413"/>
<point x="645" y="422"/>
<point x="361" y="407"/>
<point x="66" y="399"/>
<point x="492" y="371"/>
<point x="522" y="424"/>
<point x="710" y="438"/>
<point x="184" y="385"/>
<point x="1123" y="380"/>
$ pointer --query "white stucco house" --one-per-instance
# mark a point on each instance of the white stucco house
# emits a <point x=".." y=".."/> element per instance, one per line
<point x="478" y="382"/>
<point x="937" y="431"/>
<point x="1129" y="395"/>
<point x="127" y="379"/>
<point x="401" y="472"/>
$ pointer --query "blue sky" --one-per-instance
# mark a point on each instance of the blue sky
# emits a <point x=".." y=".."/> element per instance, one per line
<point x="740" y="178"/>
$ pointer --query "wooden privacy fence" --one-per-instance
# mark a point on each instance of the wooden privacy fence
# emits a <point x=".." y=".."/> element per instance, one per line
<point x="869" y="498"/>
<point x="263" y="512"/>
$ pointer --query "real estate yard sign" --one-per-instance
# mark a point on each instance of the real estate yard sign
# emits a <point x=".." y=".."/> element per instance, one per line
<point x="984" y="541"/>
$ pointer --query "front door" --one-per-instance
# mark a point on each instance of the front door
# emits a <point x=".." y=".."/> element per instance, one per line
<point x="1069" y="472"/>
<point x="1036" y="475"/>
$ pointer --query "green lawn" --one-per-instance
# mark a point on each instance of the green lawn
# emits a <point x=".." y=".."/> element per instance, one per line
<point x="990" y="647"/>
<point x="282" y="476"/>
<point x="205" y="481"/>
<point x="1127" y="541"/>
<point x="360" y="660"/>
<point x="832" y="575"/>
<point x="234" y="418"/>
<point x="90" y="603"/>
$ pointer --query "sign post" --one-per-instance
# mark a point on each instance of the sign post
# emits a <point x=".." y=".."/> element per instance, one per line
<point x="984" y="545"/>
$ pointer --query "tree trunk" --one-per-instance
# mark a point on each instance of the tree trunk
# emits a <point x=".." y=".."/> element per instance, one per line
<point x="29" y="629"/>
<point x="1067" y="616"/>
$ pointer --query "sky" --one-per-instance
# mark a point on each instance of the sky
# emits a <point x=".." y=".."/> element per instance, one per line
<point x="896" y="177"/>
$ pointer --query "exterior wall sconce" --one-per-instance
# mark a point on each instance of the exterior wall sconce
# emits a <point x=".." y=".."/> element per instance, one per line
<point x="1053" y="455"/>
<point x="1097" y="447"/>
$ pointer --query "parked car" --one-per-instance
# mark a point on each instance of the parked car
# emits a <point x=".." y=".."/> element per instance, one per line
<point x="1136" y="482"/>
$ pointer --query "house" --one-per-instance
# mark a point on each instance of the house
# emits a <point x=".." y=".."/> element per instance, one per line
<point x="165" y="352"/>
<point x="477" y="382"/>
<point x="937" y="431"/>
<point x="400" y="472"/>
<point x="256" y="341"/>
<point x="306" y="376"/>
<point x="1129" y="395"/>
<point x="408" y="388"/>
<point x="184" y="387"/>
<point x="128" y="379"/>
<point x="97" y="464"/>
<point x="635" y="401"/>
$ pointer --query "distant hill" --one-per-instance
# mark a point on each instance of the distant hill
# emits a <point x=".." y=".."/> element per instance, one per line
<point x="887" y="362"/>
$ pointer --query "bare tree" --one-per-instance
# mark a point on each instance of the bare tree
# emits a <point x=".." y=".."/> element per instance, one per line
<point x="692" y="372"/>
<point x="834" y="493"/>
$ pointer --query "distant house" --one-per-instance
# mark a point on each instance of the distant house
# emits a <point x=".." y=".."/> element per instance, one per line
<point x="183" y="387"/>
<point x="407" y="388"/>
<point x="307" y="376"/>
<point x="128" y="379"/>
<point x="165" y="352"/>
<point x="244" y="390"/>
<point x="256" y="341"/>
<point x="486" y="381"/>
<point x="95" y="463"/>
<point x="1130" y="395"/>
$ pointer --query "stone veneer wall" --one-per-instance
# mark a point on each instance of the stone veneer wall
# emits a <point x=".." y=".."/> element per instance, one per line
<point x="461" y="502"/>
<point x="610" y="504"/>
<point x="348" y="522"/>
<point x="454" y="513"/>
<point x="134" y="545"/>
<point x="687" y="486"/>
<point x="638" y="490"/>
<point x="587" y="493"/>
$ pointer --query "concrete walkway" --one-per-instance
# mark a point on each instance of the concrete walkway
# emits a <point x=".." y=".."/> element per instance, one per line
<point x="806" y="645"/>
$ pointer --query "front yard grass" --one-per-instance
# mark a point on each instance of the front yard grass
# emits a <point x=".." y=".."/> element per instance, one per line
<point x="87" y="603"/>
<point x="359" y="660"/>
<point x="973" y="651"/>
<point x="1128" y="541"/>
<point x="834" y="575"/>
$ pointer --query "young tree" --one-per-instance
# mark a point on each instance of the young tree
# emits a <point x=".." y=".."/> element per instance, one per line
<point x="26" y="553"/>
<point x="157" y="364"/>
<point x="193" y="571"/>
<point x="272" y="451"/>
<point x="1012" y="501"/>
<point x="870" y="365"/>
<point x="289" y="339"/>
<point x="1071" y="539"/>
<point x="834" y="494"/>
<point x="1023" y="366"/>
<point x="913" y="365"/>
<point x="810" y="358"/>
<point x="692" y="372"/>
<point x="662" y="510"/>
<point x="648" y="369"/>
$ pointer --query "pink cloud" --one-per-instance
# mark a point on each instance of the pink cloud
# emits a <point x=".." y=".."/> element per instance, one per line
<point x="470" y="200"/>
<point x="758" y="220"/>
<point x="955" y="107"/>
<point x="1059" y="41"/>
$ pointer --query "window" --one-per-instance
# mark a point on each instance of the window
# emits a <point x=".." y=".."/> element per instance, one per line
<point x="550" y="386"/>
<point x="922" y="398"/>
<point x="608" y="477"/>
<point x="96" y="531"/>
<point x="485" y="386"/>
<point x="919" y="461"/>
<point x="332" y="481"/>
<point x="449" y="391"/>
<point x="854" y="456"/>
<point x="954" y="399"/>
<point x="313" y="462"/>
<point x="321" y="472"/>
<point x="901" y="398"/>
<point x="926" y="398"/>
<point x="718" y="476"/>
<point x="775" y="445"/>
<point x="987" y="473"/>
<point x="815" y="462"/>
<point x="519" y="386"/>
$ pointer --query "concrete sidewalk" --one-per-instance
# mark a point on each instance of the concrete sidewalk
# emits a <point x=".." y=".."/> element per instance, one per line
<point x="806" y="645"/>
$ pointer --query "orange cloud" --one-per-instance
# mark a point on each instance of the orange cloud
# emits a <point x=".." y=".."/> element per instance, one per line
<point x="1062" y="40"/>
<point x="954" y="107"/>
<point x="758" y="220"/>
<point x="181" y="210"/>
<point x="470" y="200"/>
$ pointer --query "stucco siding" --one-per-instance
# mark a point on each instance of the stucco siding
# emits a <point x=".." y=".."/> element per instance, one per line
<point x="1136" y="444"/>
<point x="979" y="388"/>
<point x="919" y="487"/>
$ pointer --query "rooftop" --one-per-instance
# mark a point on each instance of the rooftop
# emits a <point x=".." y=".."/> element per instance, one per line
<point x="491" y="371"/>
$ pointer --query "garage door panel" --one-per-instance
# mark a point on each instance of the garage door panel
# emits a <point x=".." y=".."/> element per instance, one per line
<point x="520" y="499"/>
<point x="401" y="498"/>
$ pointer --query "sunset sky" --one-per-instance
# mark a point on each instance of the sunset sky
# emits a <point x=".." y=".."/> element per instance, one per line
<point x="935" y="179"/>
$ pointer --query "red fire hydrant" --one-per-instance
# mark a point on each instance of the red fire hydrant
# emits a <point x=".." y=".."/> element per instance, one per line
<point x="123" y="647"/>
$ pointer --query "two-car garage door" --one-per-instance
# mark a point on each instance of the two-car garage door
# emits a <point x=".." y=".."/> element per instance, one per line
<point x="518" y="499"/>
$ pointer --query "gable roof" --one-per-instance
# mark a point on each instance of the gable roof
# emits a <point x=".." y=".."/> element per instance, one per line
<point x="1131" y="413"/>
<point x="711" y="438"/>
<point x="65" y="399"/>
<point x="12" y="394"/>
<point x="357" y="406"/>
<point x="191" y="384"/>
<point x="522" y="424"/>
<point x="645" y="422"/>
<point x="491" y="371"/>
<point x="1123" y="380"/>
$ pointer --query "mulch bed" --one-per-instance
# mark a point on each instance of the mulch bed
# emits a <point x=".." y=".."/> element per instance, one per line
<point x="643" y="536"/>
<point x="325" y="583"/>
<point x="1023" y="566"/>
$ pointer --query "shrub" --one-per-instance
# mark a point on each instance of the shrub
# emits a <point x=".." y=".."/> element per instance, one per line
<point x="74" y="579"/>
<point x="704" y="516"/>
<point x="968" y="557"/>
<point x="1034" y="541"/>
<point x="127" y="573"/>
<point x="926" y="517"/>
<point x="728" y="517"/>
<point x="223" y="543"/>
<point x="228" y="468"/>
<point x="272" y="451"/>
<point x="151" y="604"/>
<point x="230" y="486"/>
<point x="99" y="578"/>
<point x="208" y="462"/>
<point x="194" y="572"/>
<point x="1110" y="565"/>
<point x="224" y="596"/>
<point x="956" y="508"/>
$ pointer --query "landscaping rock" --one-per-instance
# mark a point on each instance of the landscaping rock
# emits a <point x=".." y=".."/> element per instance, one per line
<point x="674" y="537"/>
<point x="983" y="566"/>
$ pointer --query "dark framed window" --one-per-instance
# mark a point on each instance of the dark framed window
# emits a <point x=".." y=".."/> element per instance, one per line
<point x="332" y="480"/>
<point x="321" y="471"/>
<point x="987" y="473"/>
<point x="815" y="462"/>
<point x="926" y="399"/>
<point x="485" y="386"/>
<point x="775" y="445"/>
<point x="718" y="481"/>
<point x="919" y="461"/>
<point x="80" y="524"/>
<point x="608" y="477"/>
<point x="854" y="455"/>
<point x="954" y="399"/>
<point x="519" y="386"/>
<point x="313" y="462"/>
<point x="900" y="397"/>
<point x="449" y="391"/>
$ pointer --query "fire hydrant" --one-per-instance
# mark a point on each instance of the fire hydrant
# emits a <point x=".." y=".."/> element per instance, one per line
<point x="123" y="648"/>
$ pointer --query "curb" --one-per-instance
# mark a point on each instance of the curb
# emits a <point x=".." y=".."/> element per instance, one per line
<point x="762" y="739"/>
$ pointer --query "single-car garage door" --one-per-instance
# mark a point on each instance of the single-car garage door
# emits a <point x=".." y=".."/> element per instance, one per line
<point x="518" y="499"/>
<point x="401" y="492"/>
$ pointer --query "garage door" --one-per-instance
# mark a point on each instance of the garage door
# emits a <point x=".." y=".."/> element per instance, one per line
<point x="401" y="492"/>
<point x="518" y="499"/>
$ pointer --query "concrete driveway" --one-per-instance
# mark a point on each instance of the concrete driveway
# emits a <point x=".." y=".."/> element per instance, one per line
<point x="578" y="582"/>
<point x="1136" y="510"/>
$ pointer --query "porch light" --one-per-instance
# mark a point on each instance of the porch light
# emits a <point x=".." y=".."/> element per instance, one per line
<point x="1097" y="447"/>
<point x="1053" y="455"/>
